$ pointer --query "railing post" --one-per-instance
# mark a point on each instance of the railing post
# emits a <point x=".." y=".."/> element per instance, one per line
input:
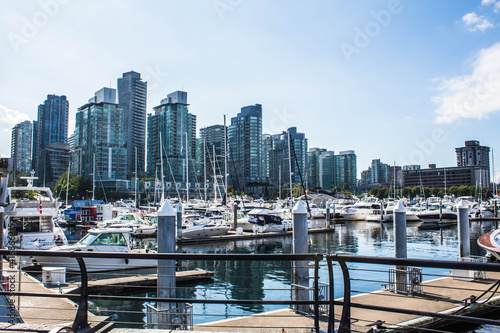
<point x="345" y="319"/>
<point x="81" y="318"/>
<point x="331" y="308"/>
<point x="463" y="229"/>
<point x="300" y="246"/>
<point x="316" y="294"/>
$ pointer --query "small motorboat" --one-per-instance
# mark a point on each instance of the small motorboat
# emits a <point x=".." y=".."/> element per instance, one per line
<point x="491" y="243"/>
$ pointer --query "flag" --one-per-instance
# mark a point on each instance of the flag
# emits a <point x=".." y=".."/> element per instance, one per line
<point x="40" y="206"/>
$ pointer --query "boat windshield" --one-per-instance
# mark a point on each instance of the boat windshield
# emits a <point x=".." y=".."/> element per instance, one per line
<point x="88" y="239"/>
<point x="111" y="239"/>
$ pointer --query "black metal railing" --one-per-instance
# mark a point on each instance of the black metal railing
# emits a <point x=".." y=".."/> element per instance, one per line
<point x="322" y="307"/>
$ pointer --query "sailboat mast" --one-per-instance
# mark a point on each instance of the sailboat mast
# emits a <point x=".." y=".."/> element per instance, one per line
<point x="279" y="175"/>
<point x="495" y="193"/>
<point x="225" y="160"/>
<point x="67" y="183"/>
<point x="290" y="166"/>
<point x="93" y="178"/>
<point x="135" y="194"/>
<point x="215" y="177"/>
<point x="187" y="170"/>
<point x="161" y="173"/>
<point x="205" y="168"/>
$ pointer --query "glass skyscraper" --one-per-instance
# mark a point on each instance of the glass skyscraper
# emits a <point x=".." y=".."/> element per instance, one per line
<point x="245" y="148"/>
<point x="51" y="127"/>
<point x="21" y="146"/>
<point x="177" y="127"/>
<point x="98" y="132"/>
<point x="313" y="168"/>
<point x="346" y="169"/>
<point x="132" y="94"/>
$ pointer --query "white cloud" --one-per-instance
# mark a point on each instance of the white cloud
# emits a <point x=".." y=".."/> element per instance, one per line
<point x="497" y="7"/>
<point x="474" y="95"/>
<point x="473" y="22"/>
<point x="487" y="2"/>
<point x="9" y="117"/>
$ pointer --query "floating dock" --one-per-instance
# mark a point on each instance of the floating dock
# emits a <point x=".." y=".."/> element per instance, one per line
<point x="444" y="295"/>
<point x="115" y="286"/>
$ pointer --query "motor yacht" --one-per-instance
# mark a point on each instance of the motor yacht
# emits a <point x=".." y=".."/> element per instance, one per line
<point x="115" y="240"/>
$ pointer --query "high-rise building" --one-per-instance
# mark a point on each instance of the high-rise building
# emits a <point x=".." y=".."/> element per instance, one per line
<point x="267" y="145"/>
<point x="475" y="155"/>
<point x="346" y="169"/>
<point x="327" y="170"/>
<point x="51" y="127"/>
<point x="98" y="134"/>
<point x="55" y="161"/>
<point x="132" y="94"/>
<point x="245" y="147"/>
<point x="212" y="151"/>
<point x="21" y="147"/>
<point x="279" y="161"/>
<point x="177" y="128"/>
<point x="313" y="169"/>
<point x="377" y="173"/>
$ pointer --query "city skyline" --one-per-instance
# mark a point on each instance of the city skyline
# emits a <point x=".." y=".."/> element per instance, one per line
<point x="351" y="77"/>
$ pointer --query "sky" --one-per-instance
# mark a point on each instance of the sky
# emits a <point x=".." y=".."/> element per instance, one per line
<point x="404" y="81"/>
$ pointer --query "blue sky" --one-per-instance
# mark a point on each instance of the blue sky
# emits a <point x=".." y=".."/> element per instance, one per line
<point x="404" y="81"/>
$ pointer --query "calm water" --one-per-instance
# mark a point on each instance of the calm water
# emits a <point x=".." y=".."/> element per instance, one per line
<point x="271" y="280"/>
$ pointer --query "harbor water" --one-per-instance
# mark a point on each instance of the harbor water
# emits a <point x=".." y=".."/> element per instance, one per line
<point x="271" y="280"/>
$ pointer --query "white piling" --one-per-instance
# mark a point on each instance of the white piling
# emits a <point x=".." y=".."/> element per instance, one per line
<point x="166" y="268"/>
<point x="463" y="229"/>
<point x="179" y="221"/>
<point x="400" y="248"/>
<point x="301" y="246"/>
<point x="328" y="213"/>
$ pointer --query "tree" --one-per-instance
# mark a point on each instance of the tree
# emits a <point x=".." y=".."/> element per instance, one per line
<point x="77" y="189"/>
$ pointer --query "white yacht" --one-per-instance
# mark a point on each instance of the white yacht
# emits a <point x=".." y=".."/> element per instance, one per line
<point x="191" y="229"/>
<point x="29" y="219"/>
<point x="361" y="209"/>
<point x="99" y="240"/>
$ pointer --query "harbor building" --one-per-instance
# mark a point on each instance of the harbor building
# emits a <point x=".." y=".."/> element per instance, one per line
<point x="444" y="177"/>
<point x="346" y="169"/>
<point x="279" y="161"/>
<point x="50" y="127"/>
<point x="132" y="94"/>
<point x="98" y="135"/>
<point x="245" y="150"/>
<point x="327" y="170"/>
<point x="20" y="148"/>
<point x="475" y="155"/>
<point x="172" y="122"/>
<point x="313" y="169"/>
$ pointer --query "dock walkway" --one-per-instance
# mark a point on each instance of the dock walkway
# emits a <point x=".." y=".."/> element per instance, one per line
<point x="444" y="295"/>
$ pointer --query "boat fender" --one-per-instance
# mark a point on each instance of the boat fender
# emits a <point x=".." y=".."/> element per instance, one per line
<point x="126" y="261"/>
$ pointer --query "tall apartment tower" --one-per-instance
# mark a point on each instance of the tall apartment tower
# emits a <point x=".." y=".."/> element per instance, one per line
<point x="50" y="127"/>
<point x="313" y="171"/>
<point x="98" y="133"/>
<point x="132" y="94"/>
<point x="327" y="170"/>
<point x="245" y="147"/>
<point x="21" y="146"/>
<point x="212" y="141"/>
<point x="177" y="128"/>
<point x="475" y="155"/>
<point x="346" y="169"/>
<point x="279" y="157"/>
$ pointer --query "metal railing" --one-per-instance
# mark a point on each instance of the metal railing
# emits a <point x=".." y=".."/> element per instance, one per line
<point x="320" y="301"/>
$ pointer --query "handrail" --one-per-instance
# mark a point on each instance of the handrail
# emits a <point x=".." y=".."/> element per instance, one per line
<point x="81" y="319"/>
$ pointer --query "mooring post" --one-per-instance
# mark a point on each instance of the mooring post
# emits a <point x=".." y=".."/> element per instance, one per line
<point x="301" y="246"/>
<point x="400" y="245"/>
<point x="381" y="212"/>
<point x="440" y="210"/>
<point x="328" y="217"/>
<point x="235" y="215"/>
<point x="166" y="268"/>
<point x="179" y="221"/>
<point x="463" y="229"/>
